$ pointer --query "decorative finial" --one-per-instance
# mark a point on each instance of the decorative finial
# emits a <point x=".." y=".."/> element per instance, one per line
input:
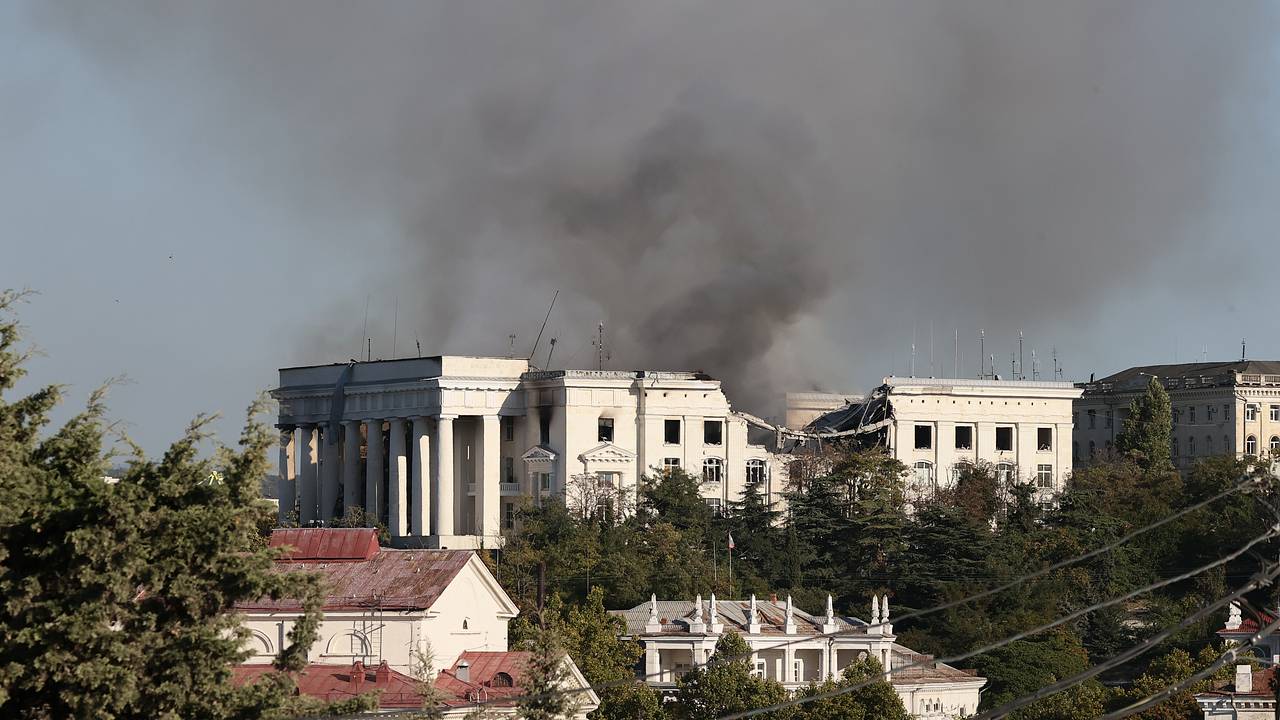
<point x="697" y="607"/>
<point x="753" y="621"/>
<point x="831" y="613"/>
<point x="884" y="613"/>
<point x="790" y="626"/>
<point x="1234" y="619"/>
<point x="875" y="609"/>
<point x="653" y="625"/>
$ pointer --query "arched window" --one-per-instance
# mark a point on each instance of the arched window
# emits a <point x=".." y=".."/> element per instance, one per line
<point x="712" y="470"/>
<point x="1208" y="444"/>
<point x="502" y="680"/>
<point x="924" y="479"/>
<point x="1251" y="445"/>
<point x="1004" y="473"/>
<point x="1191" y="445"/>
<point x="466" y="624"/>
<point x="757" y="471"/>
<point x="1275" y="444"/>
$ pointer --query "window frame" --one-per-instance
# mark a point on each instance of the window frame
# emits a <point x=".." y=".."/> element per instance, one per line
<point x="712" y="470"/>
<point x="928" y="430"/>
<point x="756" y="466"/>
<point x="604" y="429"/>
<point x="1251" y="441"/>
<point x="1044" y="476"/>
<point x="1041" y="445"/>
<point x="668" y="425"/>
<point x="969" y="429"/>
<point x="1012" y="439"/>
<point x="707" y="426"/>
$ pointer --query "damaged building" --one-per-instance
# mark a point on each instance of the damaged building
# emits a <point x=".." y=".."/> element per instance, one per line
<point x="443" y="449"/>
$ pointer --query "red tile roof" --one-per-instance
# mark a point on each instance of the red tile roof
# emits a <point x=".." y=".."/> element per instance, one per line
<point x="386" y="579"/>
<point x="1248" y="626"/>
<point x="397" y="690"/>
<point x="327" y="544"/>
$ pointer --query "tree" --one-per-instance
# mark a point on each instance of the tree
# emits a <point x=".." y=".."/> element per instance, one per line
<point x="546" y="677"/>
<point x="119" y="597"/>
<point x="1147" y="430"/>
<point x="724" y="686"/>
<point x="874" y="701"/>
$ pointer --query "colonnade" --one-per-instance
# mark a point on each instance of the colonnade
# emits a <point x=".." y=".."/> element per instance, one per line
<point x="422" y="494"/>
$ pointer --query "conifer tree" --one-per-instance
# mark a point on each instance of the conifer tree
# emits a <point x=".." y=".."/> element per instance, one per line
<point x="725" y="686"/>
<point x="1147" y="431"/>
<point x="546" y="677"/>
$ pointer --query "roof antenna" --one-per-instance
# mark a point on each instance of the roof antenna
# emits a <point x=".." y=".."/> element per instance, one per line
<point x="364" y="331"/>
<point x="553" y="349"/>
<point x="1241" y="349"/>
<point x="511" y="345"/>
<point x="602" y="353"/>
<point x="418" y="343"/>
<point x="395" y="326"/>
<point x="544" y="327"/>
<point x="982" y="355"/>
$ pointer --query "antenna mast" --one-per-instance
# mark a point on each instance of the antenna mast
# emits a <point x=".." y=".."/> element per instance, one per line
<point x="549" y="352"/>
<point x="544" y="326"/>
<point x="1022" y="367"/>
<point x="982" y="355"/>
<point x="602" y="353"/>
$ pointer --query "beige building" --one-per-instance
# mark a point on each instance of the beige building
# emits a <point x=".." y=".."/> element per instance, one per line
<point x="805" y="407"/>
<point x="1218" y="408"/>
<point x="444" y="448"/>
<point x="795" y="648"/>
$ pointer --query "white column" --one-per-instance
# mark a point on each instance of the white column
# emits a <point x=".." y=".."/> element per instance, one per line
<point x="374" y="496"/>
<point x="420" y="505"/>
<point x="308" y="473"/>
<point x="398" y="479"/>
<point x="489" y="504"/>
<point x="652" y="662"/>
<point x="287" y="488"/>
<point x="442" y="478"/>
<point x="329" y="467"/>
<point x="350" y="465"/>
<point x="788" y="664"/>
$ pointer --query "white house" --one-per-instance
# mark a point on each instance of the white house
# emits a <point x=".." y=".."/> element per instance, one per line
<point x="444" y="447"/>
<point x="384" y="608"/>
<point x="795" y="648"/>
<point x="935" y="426"/>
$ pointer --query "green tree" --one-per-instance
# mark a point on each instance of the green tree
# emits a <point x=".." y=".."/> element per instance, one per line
<point x="546" y="677"/>
<point x="875" y="701"/>
<point x="725" y="686"/>
<point x="1147" y="430"/>
<point x="119" y="597"/>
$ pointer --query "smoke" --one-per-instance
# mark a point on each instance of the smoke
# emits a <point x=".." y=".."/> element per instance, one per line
<point x="772" y="195"/>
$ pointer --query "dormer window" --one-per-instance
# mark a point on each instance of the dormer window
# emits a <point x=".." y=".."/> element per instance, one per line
<point x="502" y="680"/>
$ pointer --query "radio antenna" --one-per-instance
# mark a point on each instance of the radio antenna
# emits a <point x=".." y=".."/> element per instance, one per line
<point x="549" y="352"/>
<point x="544" y="327"/>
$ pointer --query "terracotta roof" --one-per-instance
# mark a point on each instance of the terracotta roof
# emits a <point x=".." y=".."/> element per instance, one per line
<point x="387" y="579"/>
<point x="327" y="544"/>
<point x="928" y="671"/>
<point x="676" y="615"/>
<point x="397" y="690"/>
<point x="1248" y="626"/>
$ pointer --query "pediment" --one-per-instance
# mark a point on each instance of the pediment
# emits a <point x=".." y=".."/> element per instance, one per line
<point x="539" y="454"/>
<point x="607" y="452"/>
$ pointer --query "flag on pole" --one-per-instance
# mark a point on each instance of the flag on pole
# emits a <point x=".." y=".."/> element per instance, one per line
<point x="731" y="541"/>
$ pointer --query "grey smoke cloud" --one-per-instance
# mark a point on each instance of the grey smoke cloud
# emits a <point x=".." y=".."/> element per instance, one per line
<point x="767" y="193"/>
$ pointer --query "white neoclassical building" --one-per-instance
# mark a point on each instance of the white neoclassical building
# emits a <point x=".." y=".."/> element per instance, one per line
<point x="795" y="648"/>
<point x="442" y="448"/>
<point x="1219" y="408"/>
<point x="935" y="426"/>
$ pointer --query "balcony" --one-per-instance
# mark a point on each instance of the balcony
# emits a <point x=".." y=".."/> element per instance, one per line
<point x="509" y="488"/>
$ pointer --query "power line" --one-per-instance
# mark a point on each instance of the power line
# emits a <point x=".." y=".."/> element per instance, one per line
<point x="1271" y="533"/>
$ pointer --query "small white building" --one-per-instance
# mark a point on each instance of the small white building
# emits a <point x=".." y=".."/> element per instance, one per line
<point x="1219" y="408"/>
<point x="1248" y="695"/>
<point x="443" y="448"/>
<point x="935" y="426"/>
<point x="795" y="648"/>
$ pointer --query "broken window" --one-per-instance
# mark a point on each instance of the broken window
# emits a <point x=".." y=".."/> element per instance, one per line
<point x="712" y="432"/>
<point x="1004" y="439"/>
<point x="964" y="437"/>
<point x="1044" y="438"/>
<point x="671" y="432"/>
<point x="605" y="432"/>
<point x="544" y="427"/>
<point x="756" y="471"/>
<point x="712" y="470"/>
<point x="1004" y="473"/>
<point x="924" y="437"/>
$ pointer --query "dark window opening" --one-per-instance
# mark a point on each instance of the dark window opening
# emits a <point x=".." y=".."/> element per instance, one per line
<point x="1044" y="438"/>
<point x="671" y="432"/>
<point x="502" y="680"/>
<point x="605" y="433"/>
<point x="964" y="437"/>
<point x="544" y="427"/>
<point x="712" y="432"/>
<point x="1004" y="438"/>
<point x="508" y="428"/>
<point x="924" y="437"/>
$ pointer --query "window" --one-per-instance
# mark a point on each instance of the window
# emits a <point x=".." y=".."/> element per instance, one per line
<point x="670" y="465"/>
<point x="604" y="433"/>
<point x="1191" y="446"/>
<point x="1110" y="418"/>
<point x="1250" y="412"/>
<point x="797" y="667"/>
<point x="964" y="437"/>
<point x="671" y="432"/>
<point x="1093" y="448"/>
<point x="509" y="515"/>
<point x="959" y="470"/>
<point x="923" y="475"/>
<point x="1044" y="477"/>
<point x="1004" y="473"/>
<point x="757" y="668"/>
<point x="544" y="426"/>
<point x="712" y="470"/>
<point x="1275" y="413"/>
<point x="1044" y="438"/>
<point x="1093" y="419"/>
<point x="924" y="437"/>
<point x="716" y="505"/>
<point x="1004" y="439"/>
<point x="1275" y="444"/>
<point x="508" y="428"/>
<point x="757" y="471"/>
<point x="1191" y="414"/>
<point x="1210" y="412"/>
<point x="608" y="480"/>
<point x="1251" y="445"/>
<point x="502" y="679"/>
<point x="1208" y="444"/>
<point x="712" y="432"/>
<point x="508" y="469"/>
<point x="1075" y="450"/>
<point x="544" y="481"/>
<point x="1226" y="444"/>
<point x="1173" y="447"/>
<point x="1226" y="411"/>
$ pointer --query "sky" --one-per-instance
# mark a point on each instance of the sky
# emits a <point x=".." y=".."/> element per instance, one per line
<point x="786" y="197"/>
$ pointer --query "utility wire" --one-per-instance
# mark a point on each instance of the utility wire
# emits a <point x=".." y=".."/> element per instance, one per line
<point x="1260" y="579"/>
<point x="1271" y="533"/>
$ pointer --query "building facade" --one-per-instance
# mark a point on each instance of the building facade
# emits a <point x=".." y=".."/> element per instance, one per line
<point x="444" y="448"/>
<point x="1228" y="408"/>
<point x="795" y="648"/>
<point x="1248" y="695"/>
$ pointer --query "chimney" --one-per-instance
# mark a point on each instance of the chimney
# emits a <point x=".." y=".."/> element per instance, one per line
<point x="382" y="677"/>
<point x="357" y="676"/>
<point x="1244" y="679"/>
<point x="463" y="671"/>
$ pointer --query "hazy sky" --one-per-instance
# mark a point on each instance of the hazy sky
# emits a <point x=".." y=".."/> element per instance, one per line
<point x="780" y="195"/>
